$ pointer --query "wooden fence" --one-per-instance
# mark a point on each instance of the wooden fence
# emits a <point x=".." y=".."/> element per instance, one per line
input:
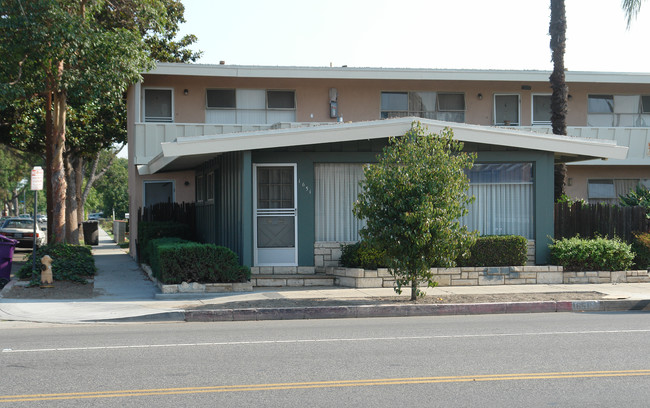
<point x="184" y="213"/>
<point x="589" y="220"/>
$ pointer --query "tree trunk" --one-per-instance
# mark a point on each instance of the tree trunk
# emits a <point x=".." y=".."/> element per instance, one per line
<point x="79" y="176"/>
<point x="414" y="289"/>
<point x="71" y="224"/>
<point x="49" y="155"/>
<point x="559" y="109"/>
<point x="58" y="171"/>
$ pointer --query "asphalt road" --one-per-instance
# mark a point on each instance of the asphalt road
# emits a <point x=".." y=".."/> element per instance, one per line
<point x="536" y="360"/>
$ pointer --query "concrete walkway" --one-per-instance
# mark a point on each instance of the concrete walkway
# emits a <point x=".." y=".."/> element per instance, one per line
<point x="125" y="293"/>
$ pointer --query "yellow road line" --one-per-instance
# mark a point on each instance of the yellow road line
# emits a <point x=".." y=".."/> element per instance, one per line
<point x="321" y="384"/>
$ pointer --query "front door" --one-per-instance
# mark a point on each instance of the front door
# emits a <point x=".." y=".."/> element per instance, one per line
<point x="275" y="215"/>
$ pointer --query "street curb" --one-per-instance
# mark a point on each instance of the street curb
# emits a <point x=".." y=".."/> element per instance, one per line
<point x="451" y="309"/>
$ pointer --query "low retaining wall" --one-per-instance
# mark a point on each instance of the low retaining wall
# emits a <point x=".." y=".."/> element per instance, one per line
<point x="328" y="253"/>
<point x="505" y="275"/>
<point x="196" y="287"/>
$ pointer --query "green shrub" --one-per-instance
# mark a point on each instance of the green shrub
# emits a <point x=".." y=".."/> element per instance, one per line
<point x="641" y="249"/>
<point x="598" y="254"/>
<point x="362" y="255"/>
<point x="69" y="262"/>
<point x="175" y="261"/>
<point x="150" y="230"/>
<point x="497" y="250"/>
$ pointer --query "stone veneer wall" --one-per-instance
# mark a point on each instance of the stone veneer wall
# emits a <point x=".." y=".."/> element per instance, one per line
<point x="507" y="275"/>
<point x="328" y="254"/>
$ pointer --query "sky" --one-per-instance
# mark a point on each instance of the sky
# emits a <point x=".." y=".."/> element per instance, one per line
<point x="456" y="34"/>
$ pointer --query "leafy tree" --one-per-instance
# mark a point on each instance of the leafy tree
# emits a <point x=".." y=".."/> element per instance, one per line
<point x="14" y="171"/>
<point x="112" y="189"/>
<point x="631" y="8"/>
<point x="96" y="48"/>
<point x="639" y="196"/>
<point x="56" y="50"/>
<point x="559" y="98"/>
<point x="412" y="200"/>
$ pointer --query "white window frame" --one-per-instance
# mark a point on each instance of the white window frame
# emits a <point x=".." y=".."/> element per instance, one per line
<point x="200" y="187"/>
<point x="144" y="105"/>
<point x="209" y="187"/>
<point x="144" y="189"/>
<point x="494" y="110"/>
<point x="532" y="110"/>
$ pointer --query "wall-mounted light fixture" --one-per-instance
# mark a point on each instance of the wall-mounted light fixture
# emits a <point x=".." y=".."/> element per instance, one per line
<point x="526" y="87"/>
<point x="185" y="92"/>
<point x="187" y="183"/>
<point x="570" y="97"/>
<point x="479" y="96"/>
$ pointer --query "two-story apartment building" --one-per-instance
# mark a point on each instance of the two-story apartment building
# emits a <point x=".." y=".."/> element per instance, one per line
<point x="272" y="156"/>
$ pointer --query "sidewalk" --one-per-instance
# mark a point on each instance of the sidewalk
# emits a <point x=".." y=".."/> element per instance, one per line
<point x="125" y="294"/>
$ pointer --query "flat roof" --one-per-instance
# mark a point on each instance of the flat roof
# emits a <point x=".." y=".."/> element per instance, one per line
<point x="254" y="71"/>
<point x="189" y="152"/>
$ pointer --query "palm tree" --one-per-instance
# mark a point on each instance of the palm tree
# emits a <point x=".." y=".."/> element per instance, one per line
<point x="557" y="31"/>
<point x="631" y="8"/>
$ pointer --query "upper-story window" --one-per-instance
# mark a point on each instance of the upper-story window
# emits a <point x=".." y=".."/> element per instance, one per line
<point x="431" y="105"/>
<point x="618" y="110"/>
<point x="645" y="104"/>
<point x="158" y="105"/>
<point x="541" y="109"/>
<point x="221" y="98"/>
<point x="250" y="106"/>
<point x="506" y="110"/>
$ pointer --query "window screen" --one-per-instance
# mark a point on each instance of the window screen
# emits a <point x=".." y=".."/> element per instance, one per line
<point x="451" y="102"/>
<point x="394" y="101"/>
<point x="645" y="103"/>
<point x="506" y="109"/>
<point x="157" y="105"/>
<point x="541" y="109"/>
<point x="281" y="99"/>
<point x="221" y="98"/>
<point x="601" y="103"/>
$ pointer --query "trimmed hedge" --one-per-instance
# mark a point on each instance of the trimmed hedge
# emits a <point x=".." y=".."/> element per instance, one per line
<point x="502" y="250"/>
<point x="150" y="230"/>
<point x="598" y="254"/>
<point x="497" y="250"/>
<point x="69" y="263"/>
<point x="362" y="255"/>
<point x="175" y="261"/>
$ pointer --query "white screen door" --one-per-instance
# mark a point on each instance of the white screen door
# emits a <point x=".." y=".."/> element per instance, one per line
<point x="275" y="215"/>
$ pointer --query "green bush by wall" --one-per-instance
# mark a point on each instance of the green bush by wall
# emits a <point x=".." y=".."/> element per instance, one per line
<point x="598" y="254"/>
<point x="150" y="230"/>
<point x="497" y="250"/>
<point x="175" y="261"/>
<point x="641" y="249"/>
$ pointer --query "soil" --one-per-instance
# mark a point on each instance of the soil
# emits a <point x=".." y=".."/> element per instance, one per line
<point x="60" y="290"/>
<point x="502" y="297"/>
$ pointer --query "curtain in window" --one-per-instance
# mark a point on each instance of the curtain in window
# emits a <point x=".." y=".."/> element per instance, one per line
<point x="336" y="190"/>
<point x="504" y="199"/>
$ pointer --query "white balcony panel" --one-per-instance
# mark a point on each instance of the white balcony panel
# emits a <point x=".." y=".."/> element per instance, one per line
<point x="220" y="116"/>
<point x="274" y="116"/>
<point x="251" y="116"/>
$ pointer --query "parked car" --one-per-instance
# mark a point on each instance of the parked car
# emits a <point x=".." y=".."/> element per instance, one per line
<point x="22" y="230"/>
<point x="96" y="216"/>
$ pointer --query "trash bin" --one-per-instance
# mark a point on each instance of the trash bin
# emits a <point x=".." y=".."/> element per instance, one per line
<point x="7" y="246"/>
<point x="91" y="232"/>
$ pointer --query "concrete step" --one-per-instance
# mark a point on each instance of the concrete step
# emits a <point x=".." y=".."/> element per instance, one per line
<point x="292" y="280"/>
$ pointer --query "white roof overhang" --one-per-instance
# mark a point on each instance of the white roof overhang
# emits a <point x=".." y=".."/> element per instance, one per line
<point x="254" y="71"/>
<point x="189" y="152"/>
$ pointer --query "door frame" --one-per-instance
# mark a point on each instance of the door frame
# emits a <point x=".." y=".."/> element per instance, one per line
<point x="294" y="262"/>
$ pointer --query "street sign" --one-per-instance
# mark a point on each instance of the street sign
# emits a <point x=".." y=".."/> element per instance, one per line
<point x="37" y="178"/>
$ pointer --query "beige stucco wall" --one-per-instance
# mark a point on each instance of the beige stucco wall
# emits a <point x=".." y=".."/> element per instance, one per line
<point x="360" y="99"/>
<point x="578" y="176"/>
